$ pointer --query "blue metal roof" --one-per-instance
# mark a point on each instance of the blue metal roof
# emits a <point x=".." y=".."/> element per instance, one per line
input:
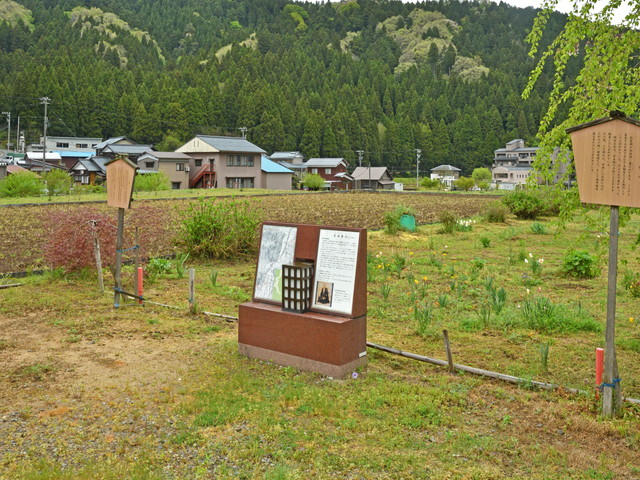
<point x="272" y="167"/>
<point x="70" y="154"/>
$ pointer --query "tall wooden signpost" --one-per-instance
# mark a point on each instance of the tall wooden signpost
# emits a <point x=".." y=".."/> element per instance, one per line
<point x="607" y="160"/>
<point x="121" y="173"/>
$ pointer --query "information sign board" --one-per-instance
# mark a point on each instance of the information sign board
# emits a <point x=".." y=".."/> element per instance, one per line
<point x="607" y="160"/>
<point x="121" y="173"/>
<point x="336" y="271"/>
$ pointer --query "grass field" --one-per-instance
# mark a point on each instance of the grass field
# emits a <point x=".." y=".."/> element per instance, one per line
<point x="84" y="196"/>
<point x="87" y="391"/>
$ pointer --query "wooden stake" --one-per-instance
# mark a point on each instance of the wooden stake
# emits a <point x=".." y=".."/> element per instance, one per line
<point x="119" y="241"/>
<point x="445" y="334"/>
<point x="192" y="290"/>
<point x="612" y="393"/>
<point x="96" y="251"/>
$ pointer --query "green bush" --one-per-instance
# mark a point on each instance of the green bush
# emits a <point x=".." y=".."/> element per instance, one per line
<point x="538" y="228"/>
<point x="579" y="264"/>
<point x="496" y="212"/>
<point x="525" y="204"/>
<point x="79" y="189"/>
<point x="313" y="181"/>
<point x="484" y="186"/>
<point x="57" y="182"/>
<point x="431" y="184"/>
<point x="449" y="221"/>
<point x="151" y="182"/>
<point x="542" y="315"/>
<point x="464" y="183"/>
<point x="21" y="184"/>
<point x="481" y="175"/>
<point x="219" y="228"/>
<point x="392" y="219"/>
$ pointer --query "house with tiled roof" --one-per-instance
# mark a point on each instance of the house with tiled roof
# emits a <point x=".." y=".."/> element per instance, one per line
<point x="8" y="168"/>
<point x="372" y="178"/>
<point x="292" y="160"/>
<point x="87" y="171"/>
<point x="113" y="141"/>
<point x="131" y="151"/>
<point x="174" y="165"/>
<point x="445" y="174"/>
<point x="223" y="162"/>
<point x="332" y="170"/>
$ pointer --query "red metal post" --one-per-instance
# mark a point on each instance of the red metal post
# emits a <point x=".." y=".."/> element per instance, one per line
<point x="140" y="288"/>
<point x="599" y="369"/>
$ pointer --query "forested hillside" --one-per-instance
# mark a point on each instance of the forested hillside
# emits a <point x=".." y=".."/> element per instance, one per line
<point x="327" y="79"/>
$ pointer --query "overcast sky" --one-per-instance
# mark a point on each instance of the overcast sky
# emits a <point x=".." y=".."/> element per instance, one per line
<point x="563" y="5"/>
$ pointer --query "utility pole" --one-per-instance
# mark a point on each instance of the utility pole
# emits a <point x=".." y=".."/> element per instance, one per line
<point x="418" y="153"/>
<point x="8" y="114"/>
<point x="45" y="101"/>
<point x="17" y="145"/>
<point x="244" y="131"/>
<point x="359" y="152"/>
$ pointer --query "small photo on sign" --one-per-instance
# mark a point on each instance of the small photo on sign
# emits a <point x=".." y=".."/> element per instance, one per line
<point x="324" y="293"/>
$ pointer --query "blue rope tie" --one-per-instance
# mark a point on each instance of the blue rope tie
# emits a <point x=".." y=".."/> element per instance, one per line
<point x="135" y="247"/>
<point x="610" y="385"/>
<point x="124" y="292"/>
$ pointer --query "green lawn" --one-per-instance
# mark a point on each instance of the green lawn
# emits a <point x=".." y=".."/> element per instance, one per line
<point x="214" y="414"/>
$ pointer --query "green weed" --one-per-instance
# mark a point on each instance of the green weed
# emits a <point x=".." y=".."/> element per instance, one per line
<point x="538" y="228"/>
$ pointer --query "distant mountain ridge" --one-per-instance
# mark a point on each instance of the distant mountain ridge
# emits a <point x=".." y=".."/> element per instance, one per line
<point x="326" y="79"/>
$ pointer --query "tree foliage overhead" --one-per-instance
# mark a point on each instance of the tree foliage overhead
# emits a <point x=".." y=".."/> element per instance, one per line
<point x="595" y="59"/>
<point x="321" y="78"/>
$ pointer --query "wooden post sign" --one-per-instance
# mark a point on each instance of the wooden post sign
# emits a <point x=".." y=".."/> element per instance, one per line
<point x="607" y="160"/>
<point x="121" y="173"/>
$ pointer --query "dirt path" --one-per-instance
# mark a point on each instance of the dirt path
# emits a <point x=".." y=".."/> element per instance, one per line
<point x="89" y="397"/>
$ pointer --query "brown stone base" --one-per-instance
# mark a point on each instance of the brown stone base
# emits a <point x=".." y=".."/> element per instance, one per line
<point x="328" y="344"/>
<point x="335" y="371"/>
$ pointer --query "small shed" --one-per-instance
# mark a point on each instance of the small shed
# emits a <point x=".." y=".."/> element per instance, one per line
<point x="275" y="176"/>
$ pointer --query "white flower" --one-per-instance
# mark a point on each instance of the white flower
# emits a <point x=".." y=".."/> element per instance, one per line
<point x="530" y="255"/>
<point x="528" y="291"/>
<point x="526" y="261"/>
<point x="540" y="260"/>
